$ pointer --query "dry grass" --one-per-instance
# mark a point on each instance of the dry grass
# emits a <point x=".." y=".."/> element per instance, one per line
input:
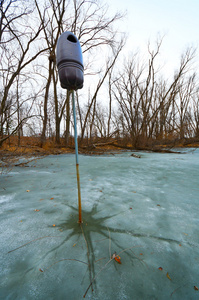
<point x="32" y="146"/>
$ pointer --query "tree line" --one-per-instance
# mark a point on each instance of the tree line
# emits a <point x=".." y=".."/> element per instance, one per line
<point x="127" y="99"/>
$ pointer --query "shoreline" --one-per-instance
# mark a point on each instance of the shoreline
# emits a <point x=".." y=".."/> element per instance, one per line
<point x="30" y="147"/>
<point x="13" y="151"/>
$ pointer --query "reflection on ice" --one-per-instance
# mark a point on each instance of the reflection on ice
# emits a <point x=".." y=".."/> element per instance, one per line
<point x="145" y="210"/>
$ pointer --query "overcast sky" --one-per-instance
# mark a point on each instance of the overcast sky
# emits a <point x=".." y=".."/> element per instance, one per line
<point x="177" y="20"/>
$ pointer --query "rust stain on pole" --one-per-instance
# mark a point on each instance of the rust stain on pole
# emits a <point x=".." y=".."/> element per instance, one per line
<point x="79" y="194"/>
<point x="77" y="160"/>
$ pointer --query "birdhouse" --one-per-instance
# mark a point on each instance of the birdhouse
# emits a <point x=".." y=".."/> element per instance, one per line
<point x="70" y="62"/>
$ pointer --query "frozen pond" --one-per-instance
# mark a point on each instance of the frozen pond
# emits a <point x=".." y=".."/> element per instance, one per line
<point x="145" y="210"/>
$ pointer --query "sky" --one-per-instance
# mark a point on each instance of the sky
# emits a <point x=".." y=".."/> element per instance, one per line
<point x="176" y="20"/>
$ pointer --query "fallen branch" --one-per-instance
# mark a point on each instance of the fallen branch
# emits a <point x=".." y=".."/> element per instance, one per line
<point x="113" y="257"/>
<point x="136" y="156"/>
<point x="96" y="276"/>
<point x="27" y="162"/>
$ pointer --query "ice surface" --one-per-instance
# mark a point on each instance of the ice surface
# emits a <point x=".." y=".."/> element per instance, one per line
<point x="145" y="209"/>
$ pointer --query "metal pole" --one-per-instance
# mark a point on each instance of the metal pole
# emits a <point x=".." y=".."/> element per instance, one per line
<point x="77" y="160"/>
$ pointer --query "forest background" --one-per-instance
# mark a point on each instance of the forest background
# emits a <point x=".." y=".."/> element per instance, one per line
<point x="127" y="101"/>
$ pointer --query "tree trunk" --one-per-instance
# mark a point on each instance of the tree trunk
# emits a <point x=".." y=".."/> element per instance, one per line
<point x="45" y="120"/>
<point x="57" y="118"/>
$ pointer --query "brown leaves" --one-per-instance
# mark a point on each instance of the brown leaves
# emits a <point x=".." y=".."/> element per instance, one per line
<point x="37" y="210"/>
<point x="40" y="270"/>
<point x="195" y="288"/>
<point x="117" y="258"/>
<point x="168" y="276"/>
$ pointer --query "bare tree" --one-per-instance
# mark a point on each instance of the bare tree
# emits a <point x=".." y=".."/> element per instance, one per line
<point x="51" y="17"/>
<point x="148" y="103"/>
<point x="185" y="92"/>
<point x="17" y="40"/>
<point x="87" y="20"/>
<point x="109" y="66"/>
<point x="10" y="12"/>
<point x="195" y="118"/>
